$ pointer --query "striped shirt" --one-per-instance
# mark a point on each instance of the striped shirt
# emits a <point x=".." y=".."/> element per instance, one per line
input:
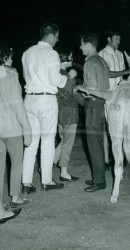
<point x="115" y="61"/>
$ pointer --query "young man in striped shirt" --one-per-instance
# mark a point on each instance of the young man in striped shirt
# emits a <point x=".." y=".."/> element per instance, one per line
<point x="114" y="59"/>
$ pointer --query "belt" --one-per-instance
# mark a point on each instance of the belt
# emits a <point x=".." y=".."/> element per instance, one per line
<point x="42" y="93"/>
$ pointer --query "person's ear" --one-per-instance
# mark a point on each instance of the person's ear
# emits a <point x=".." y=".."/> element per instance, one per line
<point x="51" y="37"/>
<point x="109" y="39"/>
<point x="5" y="59"/>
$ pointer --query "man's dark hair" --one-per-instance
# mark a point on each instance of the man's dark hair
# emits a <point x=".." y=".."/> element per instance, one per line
<point x="48" y="28"/>
<point x="5" y="52"/>
<point x="111" y="33"/>
<point x="90" y="38"/>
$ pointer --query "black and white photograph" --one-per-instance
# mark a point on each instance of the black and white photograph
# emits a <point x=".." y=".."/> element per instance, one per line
<point x="64" y="125"/>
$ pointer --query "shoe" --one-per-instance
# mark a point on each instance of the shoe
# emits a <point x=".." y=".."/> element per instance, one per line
<point x="18" y="204"/>
<point x="28" y="189"/>
<point x="95" y="187"/>
<point x="51" y="187"/>
<point x="89" y="182"/>
<point x="73" y="178"/>
<point x="16" y="213"/>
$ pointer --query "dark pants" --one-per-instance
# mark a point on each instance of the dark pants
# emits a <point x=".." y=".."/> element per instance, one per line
<point x="14" y="146"/>
<point x="94" y="120"/>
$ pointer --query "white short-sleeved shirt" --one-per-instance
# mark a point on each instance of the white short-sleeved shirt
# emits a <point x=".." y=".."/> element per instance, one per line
<point x="115" y="61"/>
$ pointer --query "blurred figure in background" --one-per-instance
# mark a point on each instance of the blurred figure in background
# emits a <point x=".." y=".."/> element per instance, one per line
<point x="14" y="125"/>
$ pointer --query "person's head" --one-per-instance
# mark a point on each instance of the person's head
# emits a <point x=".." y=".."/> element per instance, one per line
<point x="65" y="55"/>
<point x="89" y="43"/>
<point x="6" y="54"/>
<point x="113" y="38"/>
<point x="49" y="32"/>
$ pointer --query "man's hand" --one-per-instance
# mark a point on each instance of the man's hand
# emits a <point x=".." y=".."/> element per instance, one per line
<point x="72" y="73"/>
<point x="127" y="71"/>
<point x="81" y="89"/>
<point x="27" y="140"/>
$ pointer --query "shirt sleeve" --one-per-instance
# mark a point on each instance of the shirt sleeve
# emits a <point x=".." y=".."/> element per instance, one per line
<point x="55" y="77"/>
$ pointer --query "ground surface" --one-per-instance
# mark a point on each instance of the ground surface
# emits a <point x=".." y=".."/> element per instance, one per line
<point x="70" y="219"/>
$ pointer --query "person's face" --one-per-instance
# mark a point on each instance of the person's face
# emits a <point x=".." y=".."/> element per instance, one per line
<point x="68" y="63"/>
<point x="8" y="61"/>
<point x="114" y="41"/>
<point x="85" y="47"/>
<point x="55" y="38"/>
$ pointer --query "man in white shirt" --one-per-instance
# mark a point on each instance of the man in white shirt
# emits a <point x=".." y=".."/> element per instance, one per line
<point x="41" y="69"/>
<point x="115" y="61"/>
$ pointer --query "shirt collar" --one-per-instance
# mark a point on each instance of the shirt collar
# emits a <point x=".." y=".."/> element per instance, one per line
<point x="41" y="43"/>
<point x="110" y="49"/>
<point x="96" y="54"/>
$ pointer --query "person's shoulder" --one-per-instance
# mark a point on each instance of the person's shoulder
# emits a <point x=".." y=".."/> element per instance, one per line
<point x="53" y="54"/>
<point x="93" y="59"/>
<point x="11" y="70"/>
<point x="29" y="50"/>
<point x="102" y="50"/>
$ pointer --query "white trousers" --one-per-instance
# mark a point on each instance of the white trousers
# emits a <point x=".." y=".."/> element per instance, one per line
<point x="42" y="111"/>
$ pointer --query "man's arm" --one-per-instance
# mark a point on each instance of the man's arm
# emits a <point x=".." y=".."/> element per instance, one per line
<point x="55" y="77"/>
<point x="114" y="74"/>
<point x="106" y="95"/>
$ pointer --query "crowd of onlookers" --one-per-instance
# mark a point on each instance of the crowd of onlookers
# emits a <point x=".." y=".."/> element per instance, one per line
<point x="52" y="104"/>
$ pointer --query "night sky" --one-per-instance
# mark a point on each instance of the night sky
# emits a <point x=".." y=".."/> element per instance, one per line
<point x="20" y="20"/>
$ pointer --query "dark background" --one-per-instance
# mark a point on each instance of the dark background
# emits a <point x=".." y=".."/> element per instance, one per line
<point x="20" y="21"/>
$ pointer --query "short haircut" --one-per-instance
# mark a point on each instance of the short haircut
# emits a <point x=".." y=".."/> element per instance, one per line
<point x="111" y="33"/>
<point x="5" y="52"/>
<point x="64" y="53"/>
<point x="90" y="38"/>
<point x="47" y="29"/>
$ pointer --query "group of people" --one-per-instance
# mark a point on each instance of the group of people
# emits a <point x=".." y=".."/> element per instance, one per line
<point x="51" y="101"/>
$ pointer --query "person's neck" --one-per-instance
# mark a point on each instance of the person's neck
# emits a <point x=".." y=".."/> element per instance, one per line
<point x="46" y="41"/>
<point x="112" y="47"/>
<point x="92" y="53"/>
